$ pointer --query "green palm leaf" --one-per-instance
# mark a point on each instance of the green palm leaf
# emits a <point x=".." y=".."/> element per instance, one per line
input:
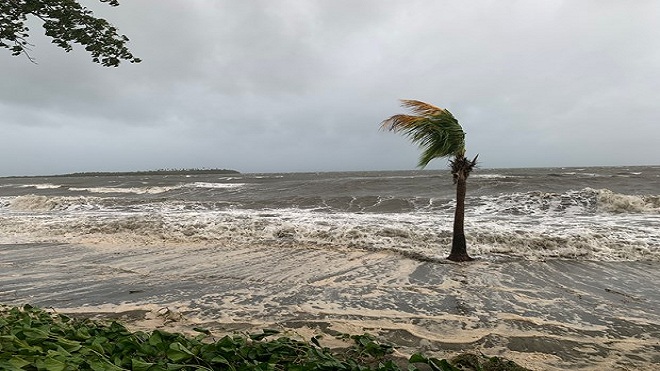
<point x="434" y="129"/>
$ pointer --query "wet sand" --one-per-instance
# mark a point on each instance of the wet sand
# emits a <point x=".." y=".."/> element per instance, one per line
<point x="550" y="315"/>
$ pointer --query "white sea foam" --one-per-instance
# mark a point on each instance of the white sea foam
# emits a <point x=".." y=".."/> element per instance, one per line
<point x="538" y="203"/>
<point x="618" y="203"/>
<point x="215" y="185"/>
<point x="582" y="202"/>
<point x="415" y="234"/>
<point x="264" y="177"/>
<point x="492" y="176"/>
<point x="596" y="224"/>
<point x="40" y="203"/>
<point x="41" y="186"/>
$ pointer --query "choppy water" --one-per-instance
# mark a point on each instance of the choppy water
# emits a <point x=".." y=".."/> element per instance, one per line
<point x="606" y="214"/>
<point x="567" y="276"/>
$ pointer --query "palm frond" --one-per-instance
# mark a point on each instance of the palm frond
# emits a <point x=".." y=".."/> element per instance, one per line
<point x="434" y="129"/>
<point x="421" y="108"/>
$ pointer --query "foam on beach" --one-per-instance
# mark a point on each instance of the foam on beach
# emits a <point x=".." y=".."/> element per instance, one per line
<point x="545" y="315"/>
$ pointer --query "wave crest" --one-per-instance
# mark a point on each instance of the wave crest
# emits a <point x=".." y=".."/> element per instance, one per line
<point x="424" y="235"/>
<point x="587" y="201"/>
<point x="40" y="203"/>
<point x="619" y="203"/>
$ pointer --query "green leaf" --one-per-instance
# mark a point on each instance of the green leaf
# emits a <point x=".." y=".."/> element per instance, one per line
<point x="52" y="364"/>
<point x="97" y="344"/>
<point x="155" y="339"/>
<point x="9" y="367"/>
<point x="178" y="353"/>
<point x="82" y="333"/>
<point x="175" y="367"/>
<point x="18" y="362"/>
<point x="441" y="365"/>
<point x="35" y="333"/>
<point x="101" y="365"/>
<point x="138" y="365"/>
<point x="417" y="358"/>
<point x="68" y="345"/>
<point x="221" y="360"/>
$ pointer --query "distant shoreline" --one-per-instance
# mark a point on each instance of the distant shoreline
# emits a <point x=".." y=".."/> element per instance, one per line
<point x="134" y="173"/>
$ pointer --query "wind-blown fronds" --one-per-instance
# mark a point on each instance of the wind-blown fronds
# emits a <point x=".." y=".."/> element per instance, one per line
<point x="433" y="129"/>
<point x="421" y="108"/>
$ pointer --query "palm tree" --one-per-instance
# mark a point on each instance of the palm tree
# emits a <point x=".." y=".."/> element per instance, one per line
<point x="439" y="134"/>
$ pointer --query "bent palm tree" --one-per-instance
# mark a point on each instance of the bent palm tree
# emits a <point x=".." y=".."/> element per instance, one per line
<point x="439" y="134"/>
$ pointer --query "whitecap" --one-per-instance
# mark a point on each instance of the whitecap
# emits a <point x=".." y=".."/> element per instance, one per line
<point x="40" y="203"/>
<point x="491" y="176"/>
<point x="215" y="185"/>
<point x="619" y="203"/>
<point x="42" y="186"/>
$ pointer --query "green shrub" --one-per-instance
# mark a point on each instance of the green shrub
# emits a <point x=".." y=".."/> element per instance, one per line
<point x="34" y="339"/>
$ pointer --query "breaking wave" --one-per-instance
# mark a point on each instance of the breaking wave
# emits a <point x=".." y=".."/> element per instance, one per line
<point x="588" y="224"/>
<point x="618" y="203"/>
<point x="585" y="201"/>
<point x="40" y="203"/>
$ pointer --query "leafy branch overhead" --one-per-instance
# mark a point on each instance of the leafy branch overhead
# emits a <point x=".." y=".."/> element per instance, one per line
<point x="66" y="22"/>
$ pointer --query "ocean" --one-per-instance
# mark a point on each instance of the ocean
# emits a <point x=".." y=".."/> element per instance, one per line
<point x="603" y="214"/>
<point x="566" y="276"/>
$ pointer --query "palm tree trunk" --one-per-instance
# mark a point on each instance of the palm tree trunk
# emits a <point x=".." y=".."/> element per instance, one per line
<point x="458" y="246"/>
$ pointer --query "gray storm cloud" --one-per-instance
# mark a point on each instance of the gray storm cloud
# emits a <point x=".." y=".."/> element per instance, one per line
<point x="267" y="86"/>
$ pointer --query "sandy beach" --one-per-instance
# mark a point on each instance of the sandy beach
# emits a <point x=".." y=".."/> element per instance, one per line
<point x="549" y="315"/>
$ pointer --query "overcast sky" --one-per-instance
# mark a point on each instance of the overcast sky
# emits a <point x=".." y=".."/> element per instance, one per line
<point x="302" y="85"/>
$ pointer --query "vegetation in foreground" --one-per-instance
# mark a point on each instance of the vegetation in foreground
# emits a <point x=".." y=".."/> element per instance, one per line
<point x="35" y="339"/>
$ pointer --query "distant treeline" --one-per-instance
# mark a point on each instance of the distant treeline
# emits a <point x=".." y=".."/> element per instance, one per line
<point x="138" y="173"/>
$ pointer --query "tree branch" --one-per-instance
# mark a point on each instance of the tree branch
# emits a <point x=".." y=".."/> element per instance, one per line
<point x="66" y="22"/>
